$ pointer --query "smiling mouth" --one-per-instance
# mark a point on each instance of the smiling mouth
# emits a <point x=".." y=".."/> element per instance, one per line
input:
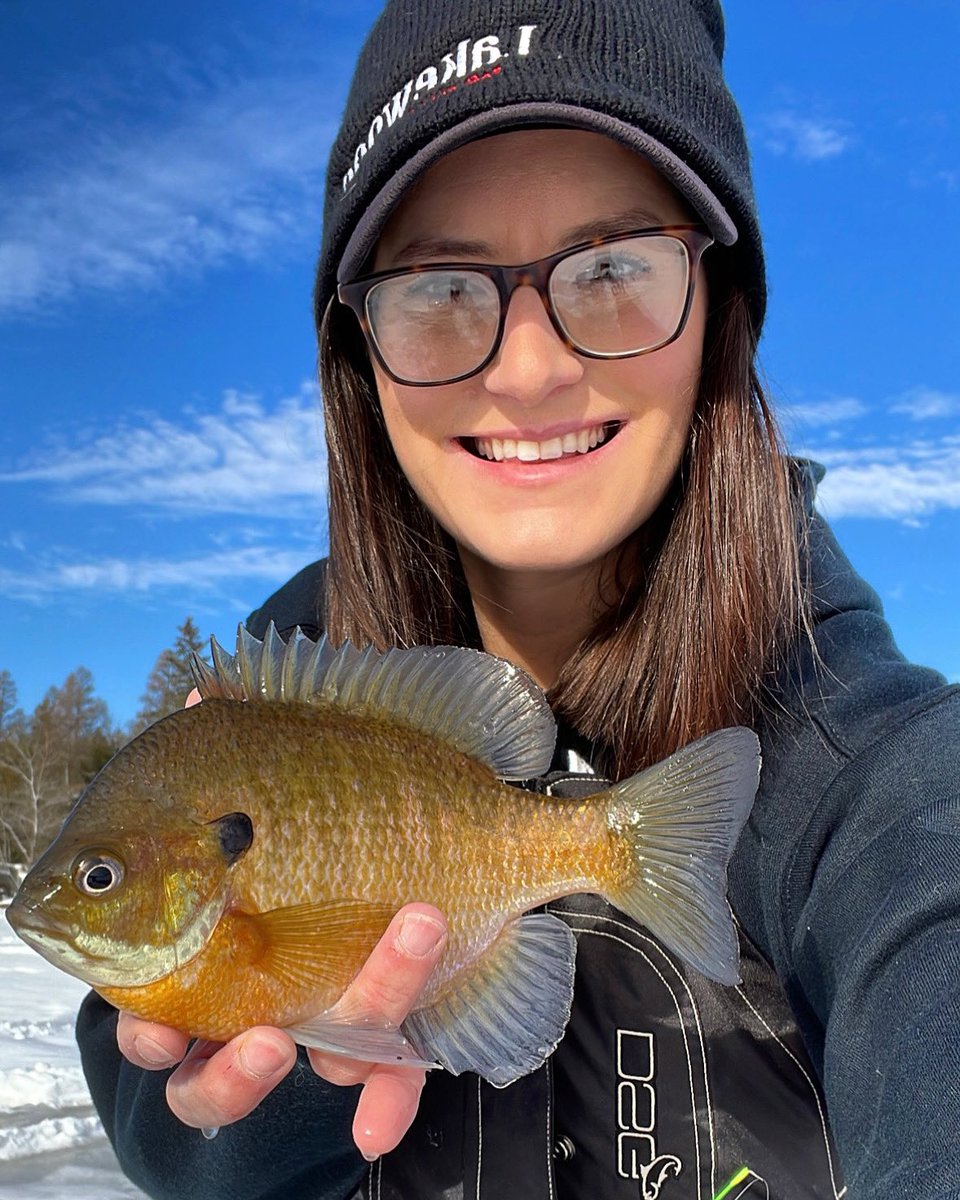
<point x="584" y="441"/>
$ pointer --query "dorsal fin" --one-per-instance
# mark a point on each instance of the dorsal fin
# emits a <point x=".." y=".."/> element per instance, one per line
<point x="484" y="706"/>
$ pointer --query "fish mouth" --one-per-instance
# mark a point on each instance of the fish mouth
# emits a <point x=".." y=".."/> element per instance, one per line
<point x="30" y="920"/>
<point x="568" y="445"/>
<point x="58" y="944"/>
<point x="23" y="919"/>
<point x="44" y="936"/>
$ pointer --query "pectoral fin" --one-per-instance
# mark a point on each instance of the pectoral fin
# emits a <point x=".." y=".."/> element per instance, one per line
<point x="322" y="945"/>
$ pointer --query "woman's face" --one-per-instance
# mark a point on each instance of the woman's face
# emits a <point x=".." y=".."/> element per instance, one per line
<point x="515" y="198"/>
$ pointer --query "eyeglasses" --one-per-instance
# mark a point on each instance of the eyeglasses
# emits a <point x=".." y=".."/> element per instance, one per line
<point x="613" y="297"/>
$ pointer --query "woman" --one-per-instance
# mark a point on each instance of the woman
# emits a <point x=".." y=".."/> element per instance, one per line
<point x="572" y="465"/>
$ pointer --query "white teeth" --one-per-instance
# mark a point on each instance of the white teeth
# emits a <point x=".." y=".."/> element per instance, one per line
<point x="584" y="440"/>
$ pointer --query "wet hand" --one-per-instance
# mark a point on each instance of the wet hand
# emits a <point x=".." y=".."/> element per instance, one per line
<point x="218" y="1084"/>
<point x="387" y="988"/>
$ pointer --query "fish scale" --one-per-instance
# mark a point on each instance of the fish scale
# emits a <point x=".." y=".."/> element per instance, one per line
<point x="389" y="841"/>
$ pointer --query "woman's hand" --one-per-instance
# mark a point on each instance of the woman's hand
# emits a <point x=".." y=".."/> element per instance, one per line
<point x="218" y="1084"/>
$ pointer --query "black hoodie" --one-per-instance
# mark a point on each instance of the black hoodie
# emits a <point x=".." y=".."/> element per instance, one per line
<point x="845" y="1029"/>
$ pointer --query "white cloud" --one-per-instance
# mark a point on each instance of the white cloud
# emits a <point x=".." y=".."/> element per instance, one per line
<point x="824" y="412"/>
<point x="244" y="458"/>
<point x="110" y="576"/>
<point x="898" y="483"/>
<point x="98" y="197"/>
<point x="923" y="403"/>
<point x="805" y="138"/>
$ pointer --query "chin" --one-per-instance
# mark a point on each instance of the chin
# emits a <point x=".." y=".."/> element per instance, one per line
<point x="535" y="558"/>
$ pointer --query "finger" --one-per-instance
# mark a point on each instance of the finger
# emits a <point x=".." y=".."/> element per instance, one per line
<point x="217" y="1085"/>
<point x="193" y="697"/>
<point x="386" y="1109"/>
<point x="402" y="961"/>
<point x="152" y="1047"/>
<point x="388" y="984"/>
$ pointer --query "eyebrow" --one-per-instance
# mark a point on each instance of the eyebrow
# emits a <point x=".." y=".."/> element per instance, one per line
<point x="462" y="250"/>
<point x="626" y="222"/>
<point x="450" y="249"/>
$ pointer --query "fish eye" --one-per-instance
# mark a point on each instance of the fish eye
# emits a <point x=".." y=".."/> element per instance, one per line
<point x="98" y="874"/>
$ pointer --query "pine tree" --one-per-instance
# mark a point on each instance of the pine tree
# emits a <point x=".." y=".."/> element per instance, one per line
<point x="170" y="680"/>
<point x="8" y="698"/>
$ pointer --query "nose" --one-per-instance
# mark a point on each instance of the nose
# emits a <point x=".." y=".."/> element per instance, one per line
<point x="532" y="362"/>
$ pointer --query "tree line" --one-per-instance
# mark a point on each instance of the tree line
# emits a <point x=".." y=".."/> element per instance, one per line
<point x="49" y="755"/>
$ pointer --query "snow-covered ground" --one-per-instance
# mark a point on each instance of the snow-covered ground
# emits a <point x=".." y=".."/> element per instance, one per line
<point x="51" y="1143"/>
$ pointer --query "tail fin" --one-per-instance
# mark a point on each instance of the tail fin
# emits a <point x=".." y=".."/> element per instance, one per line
<point x="680" y="821"/>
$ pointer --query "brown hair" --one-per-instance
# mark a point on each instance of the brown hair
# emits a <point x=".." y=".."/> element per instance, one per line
<point x="706" y="608"/>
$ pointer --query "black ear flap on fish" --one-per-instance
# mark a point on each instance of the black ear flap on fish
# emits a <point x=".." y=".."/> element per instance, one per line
<point x="235" y="831"/>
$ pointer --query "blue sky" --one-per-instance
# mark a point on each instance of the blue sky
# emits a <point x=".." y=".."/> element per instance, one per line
<point x="160" y="192"/>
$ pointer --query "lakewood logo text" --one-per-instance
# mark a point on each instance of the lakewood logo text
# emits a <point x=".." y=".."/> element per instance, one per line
<point x="471" y="61"/>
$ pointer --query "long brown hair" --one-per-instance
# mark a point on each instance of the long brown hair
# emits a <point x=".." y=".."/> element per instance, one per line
<point x="709" y="591"/>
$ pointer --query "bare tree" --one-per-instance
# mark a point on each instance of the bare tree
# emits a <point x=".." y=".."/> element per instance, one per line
<point x="45" y="760"/>
<point x="11" y="843"/>
<point x="29" y="762"/>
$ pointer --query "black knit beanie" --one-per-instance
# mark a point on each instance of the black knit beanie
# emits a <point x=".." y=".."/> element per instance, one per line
<point x="435" y="74"/>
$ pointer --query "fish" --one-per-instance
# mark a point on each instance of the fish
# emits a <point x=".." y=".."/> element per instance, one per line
<point x="235" y="863"/>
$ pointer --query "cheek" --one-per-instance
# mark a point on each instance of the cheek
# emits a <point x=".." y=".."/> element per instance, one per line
<point x="402" y="419"/>
<point x="659" y="390"/>
<point x="418" y="420"/>
<point x="673" y="378"/>
<point x="420" y="437"/>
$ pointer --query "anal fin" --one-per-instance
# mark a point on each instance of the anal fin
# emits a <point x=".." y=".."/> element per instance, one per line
<point x="510" y="1012"/>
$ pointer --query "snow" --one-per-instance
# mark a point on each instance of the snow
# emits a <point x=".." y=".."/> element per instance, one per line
<point x="51" y="1142"/>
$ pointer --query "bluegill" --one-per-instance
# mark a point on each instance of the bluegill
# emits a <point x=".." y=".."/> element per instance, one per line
<point x="235" y="864"/>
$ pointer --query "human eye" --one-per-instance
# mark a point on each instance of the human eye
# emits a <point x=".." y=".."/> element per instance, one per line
<point x="439" y="290"/>
<point x="609" y="268"/>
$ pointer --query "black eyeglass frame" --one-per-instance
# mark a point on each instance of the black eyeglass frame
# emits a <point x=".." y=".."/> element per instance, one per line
<point x="506" y="279"/>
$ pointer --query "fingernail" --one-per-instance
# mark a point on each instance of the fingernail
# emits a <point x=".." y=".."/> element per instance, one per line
<point x="369" y="1155"/>
<point x="420" y="934"/>
<point x="152" y="1052"/>
<point x="260" y="1058"/>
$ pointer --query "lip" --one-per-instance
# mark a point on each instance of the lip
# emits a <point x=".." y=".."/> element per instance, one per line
<point x="24" y="918"/>
<point x="37" y="930"/>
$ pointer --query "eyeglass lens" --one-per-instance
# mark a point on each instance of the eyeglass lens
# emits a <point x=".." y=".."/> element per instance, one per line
<point x="617" y="298"/>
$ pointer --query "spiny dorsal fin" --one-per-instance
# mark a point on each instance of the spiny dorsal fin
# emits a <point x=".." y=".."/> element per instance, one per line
<point x="481" y="705"/>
